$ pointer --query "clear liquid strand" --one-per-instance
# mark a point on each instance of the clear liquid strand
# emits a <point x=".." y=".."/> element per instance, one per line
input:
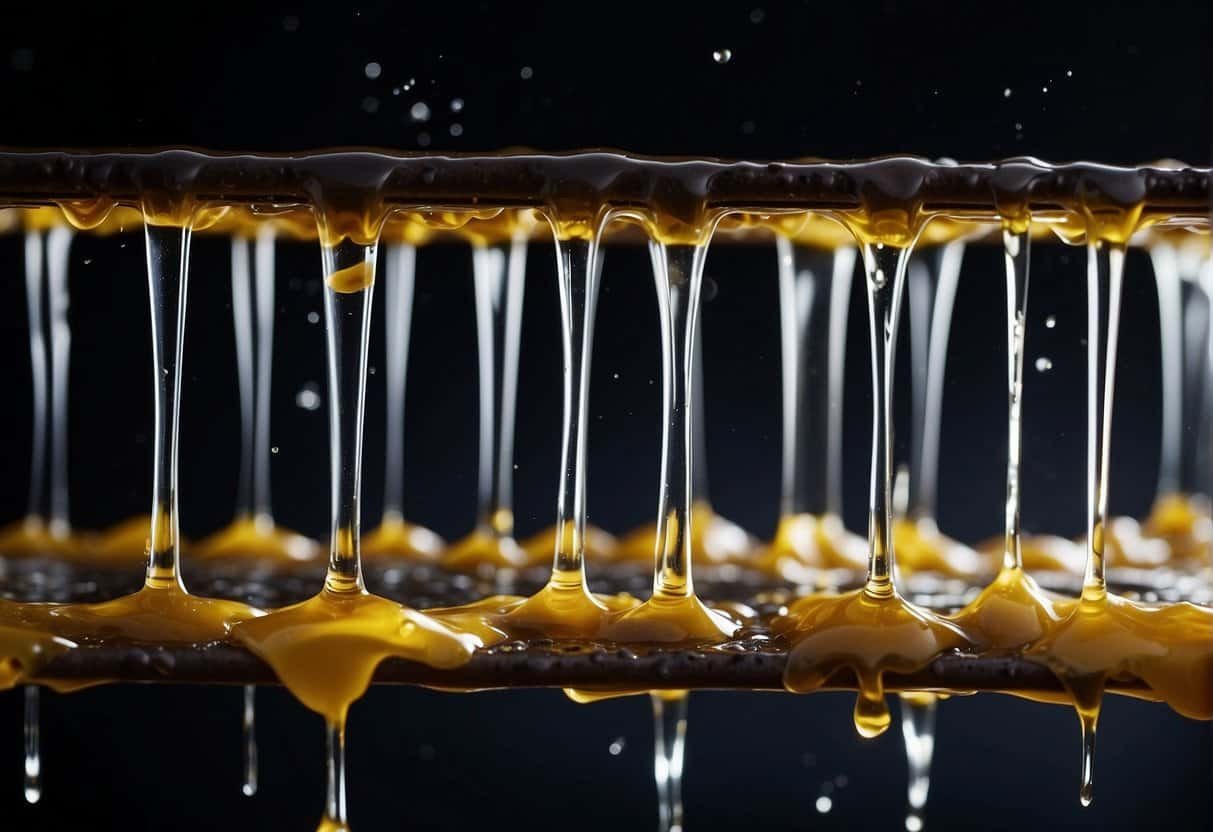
<point x="578" y="272"/>
<point x="248" y="736"/>
<point x="400" y="266"/>
<point x="918" y="732"/>
<point x="168" y="249"/>
<point x="932" y="297"/>
<point x="669" y="745"/>
<point x="58" y="247"/>
<point x="39" y="364"/>
<point x="1089" y="721"/>
<point x="1170" y="320"/>
<point x="498" y="273"/>
<point x="885" y="270"/>
<point x="813" y="295"/>
<point x="32" y="769"/>
<point x="242" y="321"/>
<point x="678" y="272"/>
<point x="335" y="818"/>
<point x="1105" y="271"/>
<point x="1017" y="254"/>
<point x="347" y="315"/>
<point x="263" y="282"/>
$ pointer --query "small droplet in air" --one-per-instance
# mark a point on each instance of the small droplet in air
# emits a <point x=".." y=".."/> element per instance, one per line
<point x="824" y="805"/>
<point x="526" y="73"/>
<point x="616" y="746"/>
<point x="420" y="111"/>
<point x="373" y="70"/>
<point x="1006" y="93"/>
<point x="308" y="396"/>
<point x="456" y="129"/>
<point x="1044" y="89"/>
<point x="456" y="105"/>
<point x="1043" y="364"/>
<point x="370" y="104"/>
<point x="313" y="317"/>
<point x="722" y="56"/>
<point x="1069" y="73"/>
<point x="913" y="823"/>
<point x="274" y="449"/>
<point x="1050" y="322"/>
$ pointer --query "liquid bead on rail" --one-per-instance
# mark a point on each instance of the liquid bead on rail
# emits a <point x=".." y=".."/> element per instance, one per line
<point x="325" y="649"/>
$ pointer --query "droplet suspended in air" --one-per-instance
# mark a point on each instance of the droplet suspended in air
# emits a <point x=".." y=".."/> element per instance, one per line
<point x="526" y="73"/>
<point x="824" y="805"/>
<point x="722" y="56"/>
<point x="420" y="112"/>
<point x="308" y="396"/>
<point x="1044" y="364"/>
<point x="373" y="70"/>
<point x="616" y="747"/>
<point x="1051" y="322"/>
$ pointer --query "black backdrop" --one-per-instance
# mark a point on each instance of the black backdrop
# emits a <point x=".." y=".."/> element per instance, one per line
<point x="1125" y="83"/>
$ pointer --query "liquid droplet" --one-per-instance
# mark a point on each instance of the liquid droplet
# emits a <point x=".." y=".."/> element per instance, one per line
<point x="616" y="747"/>
<point x="308" y="397"/>
<point x="456" y="105"/>
<point x="1043" y="364"/>
<point x="1051" y="322"/>
<point x="824" y="805"/>
<point x="313" y="317"/>
<point x="1006" y="93"/>
<point x="722" y="56"/>
<point x="274" y="449"/>
<point x="420" y="112"/>
<point x="871" y="714"/>
<point x="373" y="70"/>
<point x="526" y="73"/>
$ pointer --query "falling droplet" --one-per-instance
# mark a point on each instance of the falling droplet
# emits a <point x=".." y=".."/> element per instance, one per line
<point x="274" y="449"/>
<point x="526" y="73"/>
<point x="313" y="317"/>
<point x="33" y="746"/>
<point x="918" y="732"/>
<point x="1051" y="322"/>
<point x="456" y="105"/>
<point x="616" y="747"/>
<point x="420" y="112"/>
<point x="248" y="734"/>
<point x="824" y="805"/>
<point x="1006" y="93"/>
<point x="373" y="70"/>
<point x="722" y="56"/>
<point x="1043" y="364"/>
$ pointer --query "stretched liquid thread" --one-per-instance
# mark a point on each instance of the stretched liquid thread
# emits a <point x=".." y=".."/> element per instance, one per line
<point x="673" y="613"/>
<point x="395" y="536"/>
<point x="253" y="533"/>
<point x="1102" y="635"/>
<point x="499" y="277"/>
<point x="326" y="649"/>
<point x="46" y="527"/>
<point x="669" y="747"/>
<point x="829" y="632"/>
<point x="714" y="539"/>
<point x="814" y="297"/>
<point x="1012" y="612"/>
<point x="918" y="733"/>
<point x="932" y="289"/>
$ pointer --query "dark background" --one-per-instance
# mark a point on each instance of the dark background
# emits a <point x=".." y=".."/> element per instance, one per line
<point x="1125" y="83"/>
